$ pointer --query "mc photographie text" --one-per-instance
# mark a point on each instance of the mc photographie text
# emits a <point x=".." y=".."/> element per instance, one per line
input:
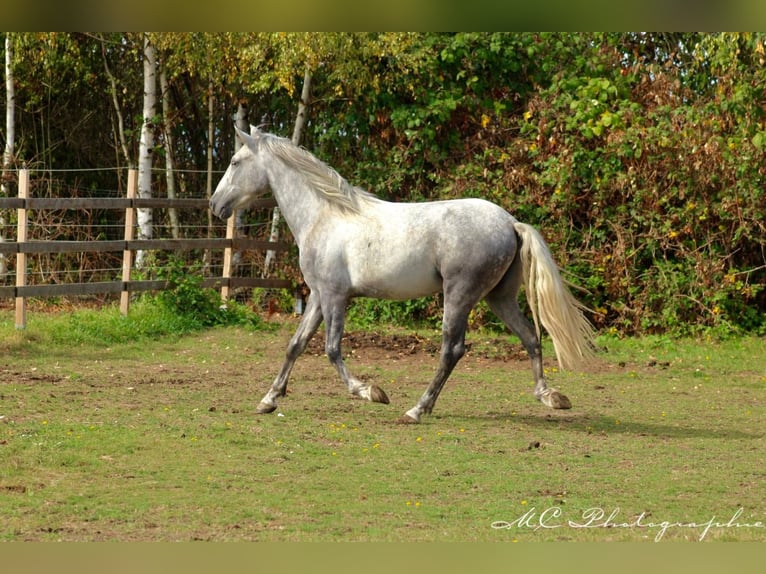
<point x="593" y="518"/>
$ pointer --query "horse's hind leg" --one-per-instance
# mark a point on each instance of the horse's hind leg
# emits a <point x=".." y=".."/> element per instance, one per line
<point x="453" y="348"/>
<point x="312" y="318"/>
<point x="502" y="300"/>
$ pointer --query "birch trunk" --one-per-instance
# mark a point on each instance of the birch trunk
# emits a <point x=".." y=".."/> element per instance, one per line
<point x="242" y="122"/>
<point x="300" y="123"/>
<point x="144" y="215"/>
<point x="209" y="187"/>
<point x="10" y="140"/>
<point x="169" y="163"/>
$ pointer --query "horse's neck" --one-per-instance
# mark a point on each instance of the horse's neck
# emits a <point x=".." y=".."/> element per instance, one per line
<point x="298" y="204"/>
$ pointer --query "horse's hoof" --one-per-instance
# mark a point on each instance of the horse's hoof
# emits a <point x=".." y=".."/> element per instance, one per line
<point x="378" y="395"/>
<point x="559" y="401"/>
<point x="554" y="399"/>
<point x="406" y="419"/>
<point x="265" y="408"/>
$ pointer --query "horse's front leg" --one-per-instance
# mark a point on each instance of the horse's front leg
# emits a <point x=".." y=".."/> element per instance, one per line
<point x="312" y="318"/>
<point x="334" y="311"/>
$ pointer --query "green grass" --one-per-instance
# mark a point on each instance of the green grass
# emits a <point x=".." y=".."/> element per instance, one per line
<point x="156" y="439"/>
<point x="150" y="318"/>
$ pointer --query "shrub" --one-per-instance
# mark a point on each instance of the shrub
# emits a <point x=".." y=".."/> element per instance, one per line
<point x="196" y="305"/>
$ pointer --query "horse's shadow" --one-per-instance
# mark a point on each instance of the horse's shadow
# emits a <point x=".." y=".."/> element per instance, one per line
<point x="596" y="423"/>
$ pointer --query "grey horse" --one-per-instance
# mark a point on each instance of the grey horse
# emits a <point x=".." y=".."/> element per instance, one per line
<point x="352" y="244"/>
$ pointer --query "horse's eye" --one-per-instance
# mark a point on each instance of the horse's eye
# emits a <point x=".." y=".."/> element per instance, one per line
<point x="234" y="163"/>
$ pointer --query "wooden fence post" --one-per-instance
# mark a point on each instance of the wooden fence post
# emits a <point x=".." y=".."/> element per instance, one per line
<point x="228" y="252"/>
<point x="21" y="258"/>
<point x="130" y="230"/>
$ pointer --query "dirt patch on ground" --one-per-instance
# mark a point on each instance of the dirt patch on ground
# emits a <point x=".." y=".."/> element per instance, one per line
<point x="371" y="344"/>
<point x="399" y="344"/>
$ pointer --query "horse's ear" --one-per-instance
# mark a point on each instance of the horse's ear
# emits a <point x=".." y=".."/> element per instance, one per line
<point x="239" y="134"/>
<point x="255" y="131"/>
<point x="250" y="141"/>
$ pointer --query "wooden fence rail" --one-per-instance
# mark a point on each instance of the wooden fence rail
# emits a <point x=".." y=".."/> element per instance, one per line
<point x="24" y="246"/>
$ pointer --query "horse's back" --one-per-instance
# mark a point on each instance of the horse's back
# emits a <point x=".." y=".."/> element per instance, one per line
<point x="405" y="250"/>
<point x="463" y="227"/>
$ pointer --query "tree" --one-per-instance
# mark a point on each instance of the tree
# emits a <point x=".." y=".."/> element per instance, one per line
<point x="300" y="123"/>
<point x="640" y="155"/>
<point x="242" y="122"/>
<point x="116" y="102"/>
<point x="10" y="109"/>
<point x="167" y="132"/>
<point x="146" y="146"/>
<point x="10" y="138"/>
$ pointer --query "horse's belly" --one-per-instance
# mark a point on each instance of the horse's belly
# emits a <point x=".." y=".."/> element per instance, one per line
<point x="396" y="279"/>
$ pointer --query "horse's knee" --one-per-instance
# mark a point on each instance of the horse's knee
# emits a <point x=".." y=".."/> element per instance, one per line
<point x="294" y="350"/>
<point x="453" y="352"/>
<point x="333" y="353"/>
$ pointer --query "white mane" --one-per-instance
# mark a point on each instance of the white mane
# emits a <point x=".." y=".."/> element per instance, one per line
<point x="321" y="178"/>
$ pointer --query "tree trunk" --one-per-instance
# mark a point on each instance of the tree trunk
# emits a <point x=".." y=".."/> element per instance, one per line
<point x="243" y="123"/>
<point x="10" y="108"/>
<point x="209" y="187"/>
<point x="10" y="140"/>
<point x="300" y="123"/>
<point x="146" y="145"/>
<point x="116" y="103"/>
<point x="169" y="164"/>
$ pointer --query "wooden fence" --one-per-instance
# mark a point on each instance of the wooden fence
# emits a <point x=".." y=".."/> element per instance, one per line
<point x="24" y="246"/>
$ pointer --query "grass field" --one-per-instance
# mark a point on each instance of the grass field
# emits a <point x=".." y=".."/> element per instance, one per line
<point x="157" y="441"/>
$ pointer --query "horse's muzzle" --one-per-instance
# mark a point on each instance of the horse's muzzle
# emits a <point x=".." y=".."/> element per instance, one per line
<point x="222" y="211"/>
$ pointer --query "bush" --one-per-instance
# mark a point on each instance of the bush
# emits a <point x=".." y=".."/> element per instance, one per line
<point x="640" y="157"/>
<point x="658" y="190"/>
<point x="197" y="306"/>
<point x="364" y="313"/>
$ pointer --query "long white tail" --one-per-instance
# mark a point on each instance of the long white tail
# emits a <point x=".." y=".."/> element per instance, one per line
<point x="551" y="303"/>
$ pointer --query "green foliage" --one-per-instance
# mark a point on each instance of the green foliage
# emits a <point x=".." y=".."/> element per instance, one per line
<point x="642" y="168"/>
<point x="640" y="156"/>
<point x="199" y="307"/>
<point x="364" y="313"/>
<point x="273" y="300"/>
<point x="660" y="189"/>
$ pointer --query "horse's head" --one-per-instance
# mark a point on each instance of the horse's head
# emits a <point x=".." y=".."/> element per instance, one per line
<point x="245" y="179"/>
